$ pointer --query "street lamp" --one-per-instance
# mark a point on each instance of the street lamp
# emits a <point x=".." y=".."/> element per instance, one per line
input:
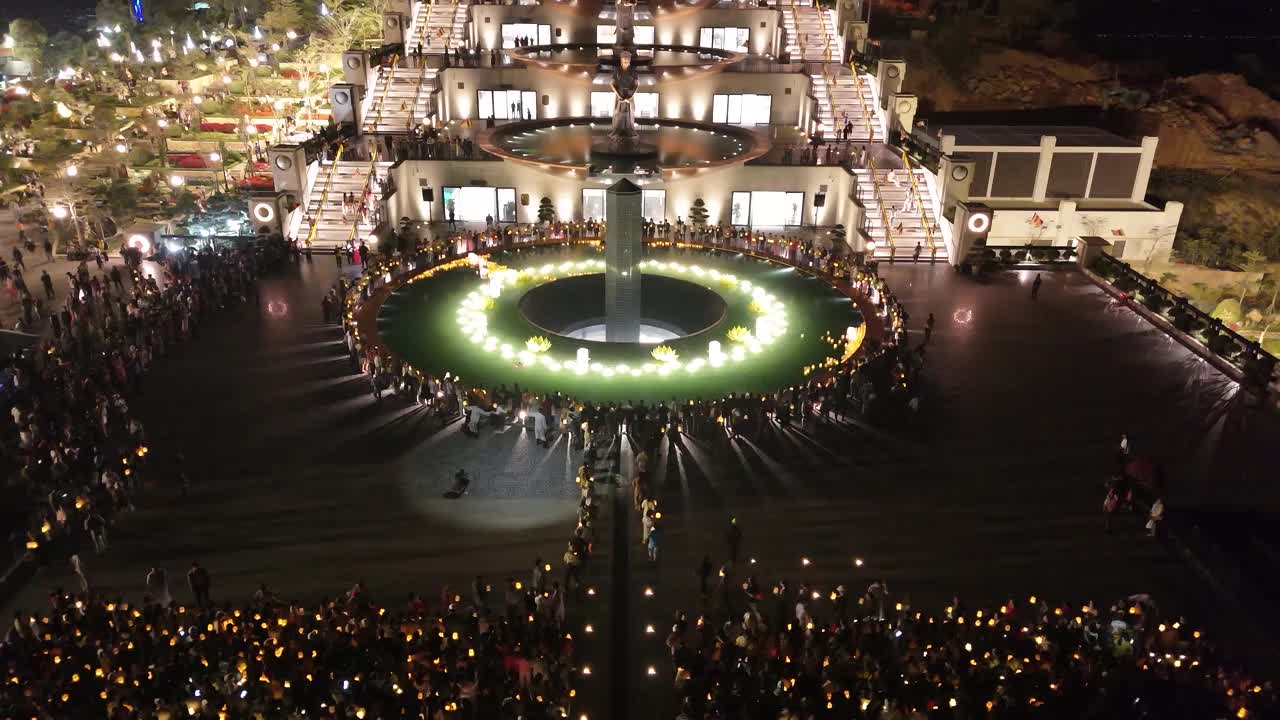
<point x="122" y="148"/>
<point x="176" y="181"/>
<point x="72" y="171"/>
<point x="60" y="212"/>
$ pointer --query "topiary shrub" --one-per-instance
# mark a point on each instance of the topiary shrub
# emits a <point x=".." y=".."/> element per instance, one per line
<point x="1228" y="311"/>
<point x="546" y="211"/>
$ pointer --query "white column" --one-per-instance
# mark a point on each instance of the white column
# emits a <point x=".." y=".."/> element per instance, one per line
<point x="1047" y="144"/>
<point x="1143" y="177"/>
<point x="1066" y="222"/>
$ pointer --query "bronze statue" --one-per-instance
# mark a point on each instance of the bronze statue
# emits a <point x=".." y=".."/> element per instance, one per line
<point x="624" y="24"/>
<point x="624" y="86"/>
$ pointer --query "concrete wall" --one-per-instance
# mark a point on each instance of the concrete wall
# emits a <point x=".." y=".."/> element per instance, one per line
<point x="1143" y="232"/>
<point x="1052" y="171"/>
<point x="561" y="95"/>
<point x="714" y="187"/>
<point x="686" y="29"/>
<point x="681" y="29"/>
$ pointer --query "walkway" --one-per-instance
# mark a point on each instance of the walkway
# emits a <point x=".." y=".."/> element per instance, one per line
<point x="300" y="480"/>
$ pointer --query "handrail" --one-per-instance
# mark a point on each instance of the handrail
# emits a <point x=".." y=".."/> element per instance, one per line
<point x="386" y="85"/>
<point x="915" y="188"/>
<point x="324" y="195"/>
<point x="884" y="216"/>
<point x="857" y="79"/>
<point x="368" y="180"/>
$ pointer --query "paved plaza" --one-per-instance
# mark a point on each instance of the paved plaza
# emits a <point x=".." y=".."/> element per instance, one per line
<point x="302" y="481"/>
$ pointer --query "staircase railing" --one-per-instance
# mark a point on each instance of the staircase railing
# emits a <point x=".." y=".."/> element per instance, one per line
<point x="866" y="117"/>
<point x="388" y="77"/>
<point x="364" y="190"/>
<point x="915" y="190"/>
<point x="324" y="195"/>
<point x="884" y="215"/>
<point x="422" y="79"/>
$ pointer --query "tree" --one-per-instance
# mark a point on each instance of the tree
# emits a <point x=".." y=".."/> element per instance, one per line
<point x="110" y="13"/>
<point x="698" y="213"/>
<point x="546" y="211"/>
<point x="283" y="16"/>
<point x="122" y="199"/>
<point x="30" y="40"/>
<point x="65" y="50"/>
<point x="1200" y="293"/>
<point x="1254" y="261"/>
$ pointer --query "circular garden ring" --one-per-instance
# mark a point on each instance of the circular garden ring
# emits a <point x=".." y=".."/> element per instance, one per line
<point x="759" y="325"/>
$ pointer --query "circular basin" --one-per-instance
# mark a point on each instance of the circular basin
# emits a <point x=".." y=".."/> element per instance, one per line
<point x="681" y="146"/>
<point x="670" y="308"/>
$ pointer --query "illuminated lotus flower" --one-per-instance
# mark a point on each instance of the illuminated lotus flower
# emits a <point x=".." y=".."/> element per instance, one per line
<point x="755" y="308"/>
<point x="538" y="344"/>
<point x="739" y="334"/>
<point x="664" y="353"/>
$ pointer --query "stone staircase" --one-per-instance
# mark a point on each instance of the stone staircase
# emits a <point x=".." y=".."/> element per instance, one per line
<point x="348" y="176"/>
<point x="805" y="26"/>
<point x="906" y="229"/>
<point x="438" y="27"/>
<point x="409" y="100"/>
<point x="852" y="96"/>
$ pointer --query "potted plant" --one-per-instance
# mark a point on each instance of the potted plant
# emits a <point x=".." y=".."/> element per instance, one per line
<point x="698" y="213"/>
<point x="546" y="211"/>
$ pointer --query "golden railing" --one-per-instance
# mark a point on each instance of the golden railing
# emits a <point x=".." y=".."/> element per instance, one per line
<point x="364" y="190"/>
<point x="884" y="215"/>
<point x="866" y="117"/>
<point x="915" y="189"/>
<point x="324" y="195"/>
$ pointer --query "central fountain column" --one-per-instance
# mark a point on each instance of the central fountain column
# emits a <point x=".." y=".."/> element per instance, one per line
<point x="623" y="246"/>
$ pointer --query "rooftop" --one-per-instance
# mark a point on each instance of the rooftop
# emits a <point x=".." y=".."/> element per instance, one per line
<point x="1029" y="135"/>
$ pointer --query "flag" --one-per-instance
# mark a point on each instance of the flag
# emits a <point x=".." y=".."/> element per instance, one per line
<point x="1118" y="232"/>
<point x="1036" y="220"/>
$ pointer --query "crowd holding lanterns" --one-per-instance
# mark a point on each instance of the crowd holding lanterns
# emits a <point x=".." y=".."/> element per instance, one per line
<point x="800" y="651"/>
<point x="885" y="375"/>
<point x="492" y="652"/>
<point x="73" y="441"/>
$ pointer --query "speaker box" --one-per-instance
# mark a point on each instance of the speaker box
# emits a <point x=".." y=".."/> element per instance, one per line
<point x="344" y="103"/>
<point x="428" y="195"/>
<point x="288" y="166"/>
<point x="819" y="200"/>
<point x="355" y="67"/>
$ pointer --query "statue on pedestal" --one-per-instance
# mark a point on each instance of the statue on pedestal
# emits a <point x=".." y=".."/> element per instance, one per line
<point x="624" y="24"/>
<point x="624" y="86"/>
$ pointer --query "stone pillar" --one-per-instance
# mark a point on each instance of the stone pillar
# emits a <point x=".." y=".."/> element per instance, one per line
<point x="955" y="175"/>
<point x="889" y="77"/>
<point x="1066" y="222"/>
<point x="1047" y="144"/>
<point x="623" y="246"/>
<point x="355" y="67"/>
<point x="1143" y="177"/>
<point x="856" y="36"/>
<point x="394" y="27"/>
<point x="902" y="113"/>
<point x="344" y="104"/>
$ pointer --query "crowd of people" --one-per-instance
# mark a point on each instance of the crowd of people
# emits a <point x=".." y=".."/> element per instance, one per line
<point x="495" y="652"/>
<point x="792" y="651"/>
<point x="819" y="254"/>
<point x="73" y="447"/>
<point x="888" y="371"/>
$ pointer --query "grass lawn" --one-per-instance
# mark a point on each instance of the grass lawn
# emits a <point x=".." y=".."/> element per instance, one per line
<point x="419" y="322"/>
